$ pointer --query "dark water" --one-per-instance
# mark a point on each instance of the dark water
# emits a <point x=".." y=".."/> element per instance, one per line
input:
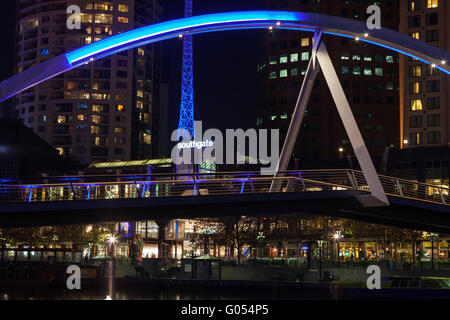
<point x="148" y="290"/>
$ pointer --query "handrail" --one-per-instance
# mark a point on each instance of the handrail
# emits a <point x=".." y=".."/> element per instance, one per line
<point x="140" y="186"/>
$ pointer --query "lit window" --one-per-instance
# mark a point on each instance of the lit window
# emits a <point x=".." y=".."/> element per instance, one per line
<point x="122" y="19"/>
<point x="294" y="57"/>
<point x="356" y="70"/>
<point x="415" y="104"/>
<point x="61" y="119"/>
<point x="283" y="59"/>
<point x="272" y="60"/>
<point x="305" y="56"/>
<point x="390" y="59"/>
<point x="272" y="75"/>
<point x="104" y="18"/>
<point x="147" y="138"/>
<point x="119" y="130"/>
<point x="139" y="105"/>
<point x="356" y="57"/>
<point x="81" y="117"/>
<point x="283" y="73"/>
<point x="415" y="71"/>
<point x="305" y="42"/>
<point x="415" y="87"/>
<point x="120" y="108"/>
<point x="141" y="51"/>
<point x="367" y="71"/>
<point x="379" y="72"/>
<point x="345" y="70"/>
<point x="294" y="72"/>
<point x="140" y="93"/>
<point x="367" y="58"/>
<point x="123" y="8"/>
<point x="415" y="35"/>
<point x="432" y="3"/>
<point x="345" y="56"/>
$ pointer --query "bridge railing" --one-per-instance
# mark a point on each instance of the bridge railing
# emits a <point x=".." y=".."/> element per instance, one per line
<point x="151" y="186"/>
<point x="48" y="189"/>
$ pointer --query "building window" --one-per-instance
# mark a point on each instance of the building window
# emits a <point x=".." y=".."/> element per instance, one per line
<point x="379" y="72"/>
<point x="356" y="71"/>
<point x="304" y="42"/>
<point x="367" y="71"/>
<point x="432" y="35"/>
<point x="120" y="108"/>
<point x="415" y="35"/>
<point x="415" y="71"/>
<point x="390" y="86"/>
<point x="294" y="72"/>
<point x="432" y="19"/>
<point x="345" y="56"/>
<point x="367" y="58"/>
<point x="356" y="57"/>
<point x="415" y="87"/>
<point x="433" y="86"/>
<point x="434" y="120"/>
<point x="305" y="56"/>
<point x="283" y="59"/>
<point x="389" y="59"/>
<point x="123" y="8"/>
<point x="432" y="71"/>
<point x="433" y="103"/>
<point x="294" y="57"/>
<point x="413" y="21"/>
<point x="104" y="18"/>
<point x="432" y="4"/>
<point x="415" y="104"/>
<point x="345" y="70"/>
<point x="413" y="5"/>
<point x="434" y="137"/>
<point x="283" y="73"/>
<point x="416" y="138"/>
<point x="416" y="122"/>
<point x="272" y="75"/>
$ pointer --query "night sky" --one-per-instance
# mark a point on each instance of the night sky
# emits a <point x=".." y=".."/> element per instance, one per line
<point x="224" y="65"/>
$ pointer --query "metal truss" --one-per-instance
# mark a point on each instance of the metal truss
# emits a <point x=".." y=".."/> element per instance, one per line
<point x="321" y="57"/>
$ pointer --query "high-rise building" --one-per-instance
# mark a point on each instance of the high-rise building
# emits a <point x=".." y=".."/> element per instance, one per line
<point x="106" y="110"/>
<point x="424" y="89"/>
<point x="368" y="74"/>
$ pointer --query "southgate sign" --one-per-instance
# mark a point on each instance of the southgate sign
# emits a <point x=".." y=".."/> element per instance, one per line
<point x="211" y="145"/>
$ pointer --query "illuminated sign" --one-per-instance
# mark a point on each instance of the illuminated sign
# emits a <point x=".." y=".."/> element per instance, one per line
<point x="195" y="144"/>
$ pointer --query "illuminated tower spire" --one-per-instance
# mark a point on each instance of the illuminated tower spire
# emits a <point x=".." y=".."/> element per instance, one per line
<point x="187" y="85"/>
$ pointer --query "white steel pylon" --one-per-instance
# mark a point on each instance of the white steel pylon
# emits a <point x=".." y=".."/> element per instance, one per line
<point x="321" y="57"/>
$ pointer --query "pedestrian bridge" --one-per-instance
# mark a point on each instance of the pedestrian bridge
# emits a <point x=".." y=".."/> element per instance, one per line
<point x="89" y="199"/>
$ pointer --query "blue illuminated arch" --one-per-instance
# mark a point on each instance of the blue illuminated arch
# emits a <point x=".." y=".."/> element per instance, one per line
<point x="338" y="26"/>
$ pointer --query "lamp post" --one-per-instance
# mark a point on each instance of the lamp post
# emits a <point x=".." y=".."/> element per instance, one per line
<point x="337" y="236"/>
<point x="320" y="243"/>
<point x="341" y="152"/>
<point x="260" y="238"/>
<point x="433" y="237"/>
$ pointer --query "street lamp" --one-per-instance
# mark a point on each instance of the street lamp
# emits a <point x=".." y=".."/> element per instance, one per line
<point x="337" y="236"/>
<point x="260" y="238"/>
<point x="341" y="152"/>
<point x="320" y="243"/>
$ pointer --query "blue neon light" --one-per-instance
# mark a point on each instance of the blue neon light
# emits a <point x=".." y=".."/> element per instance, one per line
<point x="174" y="26"/>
